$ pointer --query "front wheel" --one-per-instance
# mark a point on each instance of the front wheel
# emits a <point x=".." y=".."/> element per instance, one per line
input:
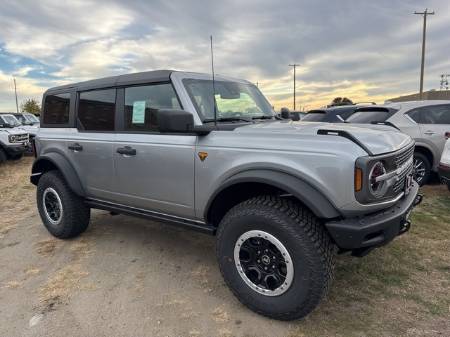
<point x="275" y="256"/>
<point x="422" y="168"/>
<point x="64" y="214"/>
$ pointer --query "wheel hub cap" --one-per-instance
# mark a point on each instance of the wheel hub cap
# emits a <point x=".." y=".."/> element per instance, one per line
<point x="264" y="263"/>
<point x="52" y="206"/>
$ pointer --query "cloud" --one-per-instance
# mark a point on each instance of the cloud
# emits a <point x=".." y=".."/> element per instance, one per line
<point x="367" y="50"/>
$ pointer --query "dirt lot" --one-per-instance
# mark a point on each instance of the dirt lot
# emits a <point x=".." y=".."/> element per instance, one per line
<point x="130" y="277"/>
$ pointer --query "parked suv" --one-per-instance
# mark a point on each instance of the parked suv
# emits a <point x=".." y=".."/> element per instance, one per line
<point x="444" y="164"/>
<point x="13" y="141"/>
<point x="28" y="122"/>
<point x="425" y="121"/>
<point x="281" y="196"/>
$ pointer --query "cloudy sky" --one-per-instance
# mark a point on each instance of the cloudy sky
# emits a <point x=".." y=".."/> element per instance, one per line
<point x="365" y="50"/>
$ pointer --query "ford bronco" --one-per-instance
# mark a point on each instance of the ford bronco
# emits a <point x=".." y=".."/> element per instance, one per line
<point x="282" y="197"/>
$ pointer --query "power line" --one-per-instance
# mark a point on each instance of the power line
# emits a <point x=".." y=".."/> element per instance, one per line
<point x="294" y="66"/>
<point x="422" y="65"/>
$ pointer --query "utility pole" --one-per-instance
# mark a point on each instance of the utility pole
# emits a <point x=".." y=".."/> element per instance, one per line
<point x="15" y="92"/>
<point x="294" y="66"/>
<point x="422" y="66"/>
<point x="444" y="81"/>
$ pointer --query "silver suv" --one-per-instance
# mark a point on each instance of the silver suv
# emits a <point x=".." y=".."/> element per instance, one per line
<point x="282" y="197"/>
<point x="425" y="121"/>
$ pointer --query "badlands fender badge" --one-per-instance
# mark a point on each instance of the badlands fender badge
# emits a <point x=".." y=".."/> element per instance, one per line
<point x="202" y="155"/>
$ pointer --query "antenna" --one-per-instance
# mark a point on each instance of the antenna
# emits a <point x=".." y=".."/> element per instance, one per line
<point x="213" y="81"/>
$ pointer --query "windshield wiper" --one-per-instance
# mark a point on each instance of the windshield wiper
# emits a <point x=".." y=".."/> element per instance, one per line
<point x="263" y="117"/>
<point x="228" y="119"/>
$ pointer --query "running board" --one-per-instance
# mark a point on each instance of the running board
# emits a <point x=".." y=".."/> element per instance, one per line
<point x="151" y="215"/>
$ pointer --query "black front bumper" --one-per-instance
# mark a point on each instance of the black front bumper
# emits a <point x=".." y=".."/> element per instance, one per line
<point x="13" y="150"/>
<point x="361" y="234"/>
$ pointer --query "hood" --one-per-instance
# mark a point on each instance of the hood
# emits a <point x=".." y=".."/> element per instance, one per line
<point x="12" y="131"/>
<point x="378" y="139"/>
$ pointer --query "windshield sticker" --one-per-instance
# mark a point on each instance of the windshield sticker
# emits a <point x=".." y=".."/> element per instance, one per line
<point x="138" y="112"/>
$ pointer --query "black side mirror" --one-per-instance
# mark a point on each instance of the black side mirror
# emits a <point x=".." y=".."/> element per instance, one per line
<point x="296" y="116"/>
<point x="175" y="121"/>
<point x="285" y="113"/>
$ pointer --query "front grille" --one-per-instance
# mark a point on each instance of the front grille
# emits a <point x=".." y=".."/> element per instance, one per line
<point x="400" y="160"/>
<point x="21" y="138"/>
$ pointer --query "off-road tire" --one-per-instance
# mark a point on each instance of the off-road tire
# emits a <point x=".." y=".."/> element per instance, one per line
<point x="3" y="156"/>
<point x="76" y="214"/>
<point x="427" y="167"/>
<point x="306" y="240"/>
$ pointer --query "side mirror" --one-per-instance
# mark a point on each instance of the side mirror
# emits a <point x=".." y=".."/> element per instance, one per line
<point x="296" y="116"/>
<point x="175" y="121"/>
<point x="285" y="113"/>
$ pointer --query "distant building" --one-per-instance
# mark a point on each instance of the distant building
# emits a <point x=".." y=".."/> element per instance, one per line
<point x="427" y="95"/>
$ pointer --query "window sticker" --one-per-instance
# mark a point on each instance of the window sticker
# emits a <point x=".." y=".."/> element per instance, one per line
<point x="138" y="112"/>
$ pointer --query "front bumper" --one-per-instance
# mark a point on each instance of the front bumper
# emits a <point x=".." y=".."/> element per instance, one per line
<point x="444" y="173"/>
<point x="361" y="234"/>
<point x="12" y="150"/>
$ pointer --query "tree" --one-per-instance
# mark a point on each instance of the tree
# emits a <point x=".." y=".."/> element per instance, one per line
<point x="31" y="106"/>
<point x="341" y="101"/>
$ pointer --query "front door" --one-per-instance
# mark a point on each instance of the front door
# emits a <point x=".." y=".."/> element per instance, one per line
<point x="153" y="171"/>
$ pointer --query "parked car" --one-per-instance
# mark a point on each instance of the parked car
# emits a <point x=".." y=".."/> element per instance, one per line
<point x="336" y="114"/>
<point x="281" y="197"/>
<point x="444" y="164"/>
<point x="13" y="141"/>
<point x="425" y="121"/>
<point x="28" y="122"/>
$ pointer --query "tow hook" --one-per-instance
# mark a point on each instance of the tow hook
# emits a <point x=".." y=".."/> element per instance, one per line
<point x="418" y="199"/>
<point x="405" y="227"/>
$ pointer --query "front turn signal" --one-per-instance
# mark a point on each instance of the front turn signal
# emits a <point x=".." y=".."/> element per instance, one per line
<point x="358" y="179"/>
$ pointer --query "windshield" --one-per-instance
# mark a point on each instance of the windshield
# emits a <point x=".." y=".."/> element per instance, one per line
<point x="232" y="99"/>
<point x="369" y="116"/>
<point x="10" y="119"/>
<point x="31" y="118"/>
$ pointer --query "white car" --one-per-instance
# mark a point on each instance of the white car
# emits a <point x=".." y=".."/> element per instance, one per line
<point x="444" y="165"/>
<point x="13" y="141"/>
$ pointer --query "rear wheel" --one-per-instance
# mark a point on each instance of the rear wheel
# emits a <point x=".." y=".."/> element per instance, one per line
<point x="63" y="213"/>
<point x="275" y="256"/>
<point x="422" y="168"/>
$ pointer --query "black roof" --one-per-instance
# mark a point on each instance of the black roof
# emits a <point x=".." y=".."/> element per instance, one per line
<point x="136" y="78"/>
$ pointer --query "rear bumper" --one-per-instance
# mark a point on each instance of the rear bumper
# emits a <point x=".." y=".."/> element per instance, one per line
<point x="362" y="234"/>
<point x="444" y="173"/>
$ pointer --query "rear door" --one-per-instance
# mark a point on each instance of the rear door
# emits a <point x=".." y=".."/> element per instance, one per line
<point x="90" y="147"/>
<point x="434" y="121"/>
<point x="153" y="171"/>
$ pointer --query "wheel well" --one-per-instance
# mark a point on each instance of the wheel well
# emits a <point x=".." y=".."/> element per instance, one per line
<point x="427" y="153"/>
<point x="235" y="194"/>
<point x="42" y="166"/>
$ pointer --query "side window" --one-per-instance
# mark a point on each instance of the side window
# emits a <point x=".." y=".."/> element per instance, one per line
<point x="96" y="110"/>
<point x="56" y="109"/>
<point x="142" y="102"/>
<point x="433" y="114"/>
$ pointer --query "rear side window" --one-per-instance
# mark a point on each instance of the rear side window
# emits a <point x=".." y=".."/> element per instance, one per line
<point x="369" y="116"/>
<point x="96" y="110"/>
<point x="142" y="103"/>
<point x="56" y="109"/>
<point x="433" y="114"/>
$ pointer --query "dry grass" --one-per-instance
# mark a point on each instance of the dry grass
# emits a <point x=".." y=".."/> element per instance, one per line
<point x="402" y="289"/>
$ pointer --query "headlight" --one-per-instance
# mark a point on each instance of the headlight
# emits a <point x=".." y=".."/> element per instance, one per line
<point x="377" y="187"/>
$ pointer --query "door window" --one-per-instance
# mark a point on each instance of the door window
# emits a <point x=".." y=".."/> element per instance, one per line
<point x="433" y="114"/>
<point x="56" y="109"/>
<point x="96" y="110"/>
<point x="142" y="103"/>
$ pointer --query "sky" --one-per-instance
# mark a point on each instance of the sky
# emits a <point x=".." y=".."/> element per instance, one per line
<point x="361" y="49"/>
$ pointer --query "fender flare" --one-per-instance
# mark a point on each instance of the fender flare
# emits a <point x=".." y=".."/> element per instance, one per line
<point x="315" y="200"/>
<point x="63" y="165"/>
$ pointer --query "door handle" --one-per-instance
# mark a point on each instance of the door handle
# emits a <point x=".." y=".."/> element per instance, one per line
<point x="75" y="147"/>
<point x="126" y="151"/>
<point x="429" y="133"/>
